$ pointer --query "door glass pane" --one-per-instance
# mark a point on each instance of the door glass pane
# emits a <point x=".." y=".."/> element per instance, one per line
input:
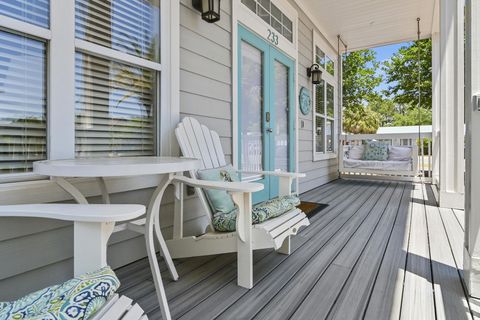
<point x="320" y="97"/>
<point x="23" y="102"/>
<point x="251" y="108"/>
<point x="281" y="116"/>
<point x="330" y="135"/>
<point x="319" y="134"/>
<point x="330" y="101"/>
<point x="130" y="26"/>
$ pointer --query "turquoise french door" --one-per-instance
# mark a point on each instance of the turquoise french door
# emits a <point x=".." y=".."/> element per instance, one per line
<point x="266" y="111"/>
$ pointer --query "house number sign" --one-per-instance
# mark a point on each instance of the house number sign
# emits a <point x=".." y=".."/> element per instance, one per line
<point x="272" y="37"/>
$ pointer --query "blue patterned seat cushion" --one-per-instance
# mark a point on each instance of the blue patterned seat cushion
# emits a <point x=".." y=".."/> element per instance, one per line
<point x="260" y="212"/>
<point x="77" y="299"/>
<point x="375" y="150"/>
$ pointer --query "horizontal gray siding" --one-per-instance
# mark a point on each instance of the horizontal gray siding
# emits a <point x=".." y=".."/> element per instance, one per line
<point x="206" y="71"/>
<point x="318" y="172"/>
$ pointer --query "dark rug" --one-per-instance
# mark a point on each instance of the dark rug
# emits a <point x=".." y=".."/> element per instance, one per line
<point x="311" y="208"/>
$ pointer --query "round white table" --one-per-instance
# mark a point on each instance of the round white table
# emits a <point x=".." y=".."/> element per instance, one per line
<point x="101" y="168"/>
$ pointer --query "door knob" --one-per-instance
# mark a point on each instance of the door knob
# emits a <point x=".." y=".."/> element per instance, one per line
<point x="269" y="130"/>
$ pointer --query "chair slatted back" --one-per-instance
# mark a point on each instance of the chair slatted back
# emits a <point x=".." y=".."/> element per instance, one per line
<point x="197" y="141"/>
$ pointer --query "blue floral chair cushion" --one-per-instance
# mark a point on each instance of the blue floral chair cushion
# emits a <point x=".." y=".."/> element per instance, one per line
<point x="219" y="200"/>
<point x="226" y="222"/>
<point x="77" y="299"/>
<point x="375" y="150"/>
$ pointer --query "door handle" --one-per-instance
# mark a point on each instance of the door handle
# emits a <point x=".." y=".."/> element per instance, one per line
<point x="269" y="130"/>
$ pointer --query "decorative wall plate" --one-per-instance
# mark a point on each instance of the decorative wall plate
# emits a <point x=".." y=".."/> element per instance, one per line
<point x="304" y="101"/>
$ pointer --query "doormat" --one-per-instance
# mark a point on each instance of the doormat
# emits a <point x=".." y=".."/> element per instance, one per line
<point x="311" y="208"/>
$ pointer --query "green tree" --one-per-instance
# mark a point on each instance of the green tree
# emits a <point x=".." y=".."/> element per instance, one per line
<point x="412" y="117"/>
<point x="360" y="78"/>
<point x="386" y="109"/>
<point x="360" y="119"/>
<point x="402" y="72"/>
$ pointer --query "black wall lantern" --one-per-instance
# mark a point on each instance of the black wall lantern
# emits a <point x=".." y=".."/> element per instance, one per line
<point x="315" y="72"/>
<point x="210" y="9"/>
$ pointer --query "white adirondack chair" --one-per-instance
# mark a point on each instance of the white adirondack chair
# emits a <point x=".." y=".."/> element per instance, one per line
<point x="93" y="225"/>
<point x="197" y="141"/>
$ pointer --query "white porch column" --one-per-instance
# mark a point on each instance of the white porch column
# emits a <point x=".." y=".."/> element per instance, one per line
<point x="471" y="263"/>
<point x="452" y="164"/>
<point x="436" y="108"/>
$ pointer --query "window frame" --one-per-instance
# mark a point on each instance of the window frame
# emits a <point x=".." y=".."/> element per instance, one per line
<point x="324" y="46"/>
<point x="60" y="78"/>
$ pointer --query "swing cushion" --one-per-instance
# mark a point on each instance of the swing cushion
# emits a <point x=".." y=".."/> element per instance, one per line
<point x="77" y="299"/>
<point x="375" y="150"/>
<point x="356" y="152"/>
<point x="219" y="200"/>
<point x="226" y="222"/>
<point x="397" y="153"/>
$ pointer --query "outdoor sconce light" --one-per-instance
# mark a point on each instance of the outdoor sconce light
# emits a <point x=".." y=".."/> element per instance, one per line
<point x="315" y="73"/>
<point x="210" y="9"/>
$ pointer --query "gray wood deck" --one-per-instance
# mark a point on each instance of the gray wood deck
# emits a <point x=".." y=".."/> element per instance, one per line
<point x="380" y="250"/>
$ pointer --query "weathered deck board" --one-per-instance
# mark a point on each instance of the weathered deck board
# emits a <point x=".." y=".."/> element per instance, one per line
<point x="450" y="300"/>
<point x="355" y="294"/>
<point x="348" y="264"/>
<point x="295" y="287"/>
<point x="418" y="290"/>
<point x="386" y="296"/>
<point x="318" y="302"/>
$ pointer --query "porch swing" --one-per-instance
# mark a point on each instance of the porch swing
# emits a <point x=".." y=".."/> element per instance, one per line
<point x="392" y="155"/>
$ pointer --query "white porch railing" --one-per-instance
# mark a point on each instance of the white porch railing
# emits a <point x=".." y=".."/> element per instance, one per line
<point x="422" y="164"/>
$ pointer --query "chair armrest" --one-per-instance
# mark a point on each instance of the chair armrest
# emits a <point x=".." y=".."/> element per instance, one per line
<point x="76" y="212"/>
<point x="283" y="174"/>
<point x="248" y="187"/>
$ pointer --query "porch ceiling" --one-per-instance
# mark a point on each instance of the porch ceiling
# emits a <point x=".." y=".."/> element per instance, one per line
<point x="371" y="23"/>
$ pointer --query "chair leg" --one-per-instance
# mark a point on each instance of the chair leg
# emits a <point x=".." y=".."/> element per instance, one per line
<point x="285" y="248"/>
<point x="244" y="239"/>
<point x="245" y="264"/>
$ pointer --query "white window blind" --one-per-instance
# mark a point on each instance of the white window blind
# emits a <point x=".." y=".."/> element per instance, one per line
<point x="116" y="101"/>
<point x="32" y="11"/>
<point x="22" y="102"/>
<point x="114" y="108"/>
<point x="130" y="26"/>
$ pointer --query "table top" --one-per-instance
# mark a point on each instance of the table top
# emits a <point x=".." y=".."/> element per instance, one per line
<point x="114" y="167"/>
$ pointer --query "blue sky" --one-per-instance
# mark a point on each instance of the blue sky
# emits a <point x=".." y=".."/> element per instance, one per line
<point x="385" y="53"/>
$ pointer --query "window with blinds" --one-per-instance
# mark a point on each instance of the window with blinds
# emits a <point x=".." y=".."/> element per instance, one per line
<point x="22" y="102"/>
<point x="114" y="108"/>
<point x="116" y="101"/>
<point x="324" y="102"/>
<point x="32" y="11"/>
<point x="130" y="26"/>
